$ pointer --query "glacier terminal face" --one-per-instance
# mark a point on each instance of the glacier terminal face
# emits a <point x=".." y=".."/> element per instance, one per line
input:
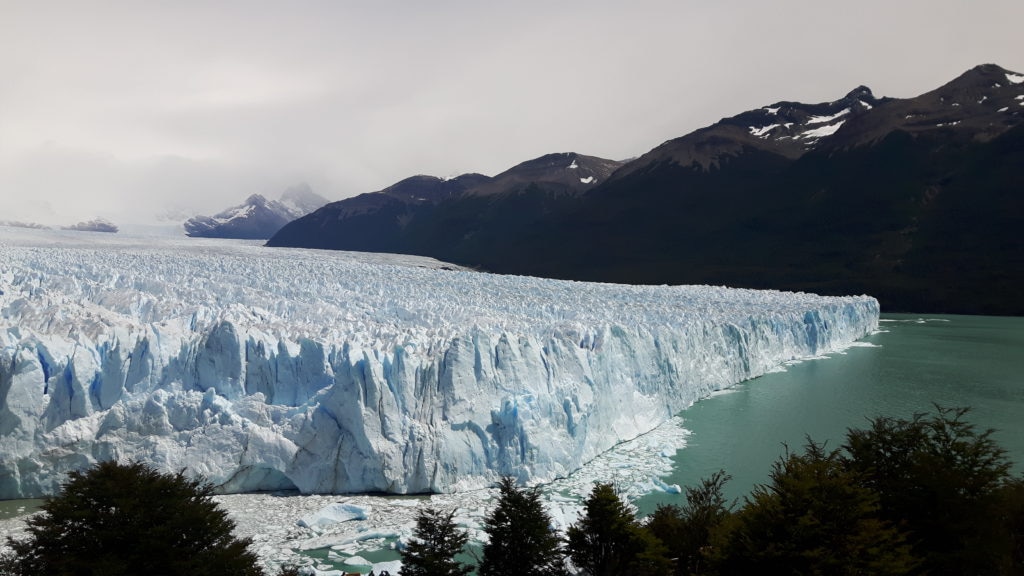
<point x="330" y="372"/>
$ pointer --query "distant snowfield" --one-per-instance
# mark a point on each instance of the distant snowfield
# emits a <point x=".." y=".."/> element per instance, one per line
<point x="332" y="373"/>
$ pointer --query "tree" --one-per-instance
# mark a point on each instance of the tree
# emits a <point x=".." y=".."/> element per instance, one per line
<point x="943" y="480"/>
<point x="686" y="530"/>
<point x="814" y="517"/>
<point x="521" y="541"/>
<point x="1011" y="508"/>
<point x="126" y="519"/>
<point x="436" y="540"/>
<point x="607" y="540"/>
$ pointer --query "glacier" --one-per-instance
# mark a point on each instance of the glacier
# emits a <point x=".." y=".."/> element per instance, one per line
<point x="331" y="372"/>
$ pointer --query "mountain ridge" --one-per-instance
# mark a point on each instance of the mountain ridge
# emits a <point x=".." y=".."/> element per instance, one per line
<point x="862" y="194"/>
<point x="256" y="218"/>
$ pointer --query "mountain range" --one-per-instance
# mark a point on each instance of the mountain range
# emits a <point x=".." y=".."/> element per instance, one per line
<point x="915" y="201"/>
<point x="257" y="218"/>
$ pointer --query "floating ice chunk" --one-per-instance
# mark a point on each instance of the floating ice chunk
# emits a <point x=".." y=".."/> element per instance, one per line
<point x="338" y="512"/>
<point x="1015" y="78"/>
<point x="393" y="567"/>
<point x="357" y="561"/>
<point x="667" y="488"/>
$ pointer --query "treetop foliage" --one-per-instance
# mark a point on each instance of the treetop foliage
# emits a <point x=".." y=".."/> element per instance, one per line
<point x="608" y="540"/>
<point x="129" y="519"/>
<point x="521" y="541"/>
<point x="432" y="549"/>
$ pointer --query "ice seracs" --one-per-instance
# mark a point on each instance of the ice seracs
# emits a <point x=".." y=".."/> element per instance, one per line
<point x="330" y="372"/>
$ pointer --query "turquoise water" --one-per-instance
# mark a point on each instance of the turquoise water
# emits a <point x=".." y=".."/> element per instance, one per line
<point x="972" y="361"/>
<point x="15" y="508"/>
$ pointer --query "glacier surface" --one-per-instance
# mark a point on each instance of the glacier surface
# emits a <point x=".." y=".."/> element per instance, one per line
<point x="331" y="372"/>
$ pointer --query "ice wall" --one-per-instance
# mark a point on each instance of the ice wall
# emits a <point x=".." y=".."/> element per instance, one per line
<point x="331" y="372"/>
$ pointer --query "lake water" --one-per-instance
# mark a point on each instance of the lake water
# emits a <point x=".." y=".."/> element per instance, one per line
<point x="972" y="361"/>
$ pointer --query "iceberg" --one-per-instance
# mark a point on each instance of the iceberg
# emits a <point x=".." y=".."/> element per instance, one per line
<point x="331" y="372"/>
<point x="332" y="514"/>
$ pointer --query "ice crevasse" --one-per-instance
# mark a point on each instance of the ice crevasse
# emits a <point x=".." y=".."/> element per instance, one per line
<point x="333" y="372"/>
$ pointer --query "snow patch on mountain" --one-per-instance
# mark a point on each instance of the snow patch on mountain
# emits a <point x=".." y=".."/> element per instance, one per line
<point x="827" y="119"/>
<point x="331" y="372"/>
<point x="763" y="131"/>
<point x="821" y="132"/>
<point x="1015" y="78"/>
<point x="257" y="217"/>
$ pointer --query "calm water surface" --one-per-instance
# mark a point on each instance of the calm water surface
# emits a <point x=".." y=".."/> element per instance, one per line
<point x="969" y="361"/>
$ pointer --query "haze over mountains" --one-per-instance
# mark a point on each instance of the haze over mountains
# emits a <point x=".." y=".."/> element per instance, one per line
<point x="257" y="218"/>
<point x="916" y="201"/>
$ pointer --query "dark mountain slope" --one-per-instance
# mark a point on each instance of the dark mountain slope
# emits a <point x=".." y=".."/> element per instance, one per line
<point x="915" y="201"/>
<point x="424" y="214"/>
<point x="375" y="222"/>
<point x="925" y="223"/>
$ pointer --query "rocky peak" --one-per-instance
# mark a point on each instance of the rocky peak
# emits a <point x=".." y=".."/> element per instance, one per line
<point x="980" y="104"/>
<point x="255" y="200"/>
<point x="567" y="171"/>
<point x="860" y="92"/>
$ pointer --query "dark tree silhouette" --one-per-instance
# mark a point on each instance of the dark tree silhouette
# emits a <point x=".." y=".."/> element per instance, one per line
<point x="943" y="480"/>
<point x="686" y="530"/>
<point x="436" y="540"/>
<point x="608" y="541"/>
<point x="128" y="519"/>
<point x="521" y="541"/>
<point x="813" y="517"/>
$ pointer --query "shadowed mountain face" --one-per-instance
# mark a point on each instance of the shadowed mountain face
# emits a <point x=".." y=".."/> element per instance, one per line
<point x="424" y="213"/>
<point x="915" y="201"/>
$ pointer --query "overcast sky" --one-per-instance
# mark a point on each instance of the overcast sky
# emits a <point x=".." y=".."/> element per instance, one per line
<point x="126" y="110"/>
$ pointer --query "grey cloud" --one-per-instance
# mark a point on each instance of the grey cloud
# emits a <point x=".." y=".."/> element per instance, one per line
<point x="196" y="104"/>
